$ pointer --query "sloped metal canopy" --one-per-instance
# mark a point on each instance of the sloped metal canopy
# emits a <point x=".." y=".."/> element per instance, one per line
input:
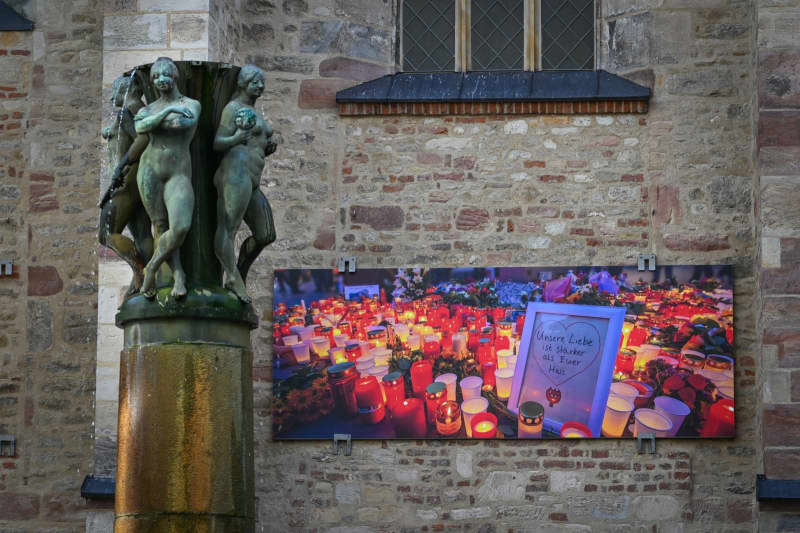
<point x="505" y="86"/>
<point x="10" y="20"/>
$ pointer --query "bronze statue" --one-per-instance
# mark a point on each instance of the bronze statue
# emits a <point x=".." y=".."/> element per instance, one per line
<point x="165" y="170"/>
<point x="121" y="205"/>
<point x="246" y="139"/>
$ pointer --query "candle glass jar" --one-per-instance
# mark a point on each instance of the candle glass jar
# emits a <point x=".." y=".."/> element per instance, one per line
<point x="485" y="352"/>
<point x="369" y="397"/>
<point x="435" y="394"/>
<point x="575" y="430"/>
<point x="487" y="370"/>
<point x="394" y="386"/>
<point x="353" y="351"/>
<point x="342" y="382"/>
<point x="450" y="382"/>
<point x="421" y="376"/>
<point x="471" y="408"/>
<point x="530" y="420"/>
<point x="448" y="418"/>
<point x="431" y="349"/>
<point x="409" y="418"/>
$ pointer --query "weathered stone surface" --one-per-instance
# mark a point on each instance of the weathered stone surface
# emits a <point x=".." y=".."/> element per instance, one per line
<point x="279" y="63"/>
<point x="381" y="218"/>
<point x="351" y="69"/>
<point x="135" y="32"/>
<point x="781" y="425"/>
<point x="19" y="506"/>
<point x="629" y="41"/>
<point x="472" y="219"/>
<point x="320" y="94"/>
<point x="782" y="463"/>
<point x="44" y="281"/>
<point x="347" y="38"/>
<point x="785" y="278"/>
<point x="779" y="128"/>
<point x="294" y="8"/>
<point x="779" y="79"/>
<point x="40" y="326"/>
<point x="173" y="5"/>
<point x="780" y="211"/>
<point x="709" y="82"/>
<point x="188" y="31"/>
<point x="778" y="28"/>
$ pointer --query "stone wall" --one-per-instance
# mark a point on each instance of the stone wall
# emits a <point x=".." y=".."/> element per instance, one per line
<point x="49" y="168"/>
<point x="778" y="116"/>
<point x="443" y="191"/>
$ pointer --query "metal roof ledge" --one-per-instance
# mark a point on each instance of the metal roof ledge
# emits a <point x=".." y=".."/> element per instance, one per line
<point x="497" y="87"/>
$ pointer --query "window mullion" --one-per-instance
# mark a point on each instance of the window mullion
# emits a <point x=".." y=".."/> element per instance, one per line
<point x="531" y="33"/>
<point x="463" y="47"/>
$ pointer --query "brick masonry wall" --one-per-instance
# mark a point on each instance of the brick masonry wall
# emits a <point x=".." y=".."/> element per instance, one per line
<point x="49" y="168"/>
<point x="778" y="116"/>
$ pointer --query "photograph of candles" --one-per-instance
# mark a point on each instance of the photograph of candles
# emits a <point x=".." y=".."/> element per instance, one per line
<point x="439" y="353"/>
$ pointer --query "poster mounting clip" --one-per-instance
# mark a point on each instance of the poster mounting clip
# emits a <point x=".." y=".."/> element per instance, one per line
<point x="644" y="438"/>
<point x="647" y="262"/>
<point x="345" y="438"/>
<point x="347" y="263"/>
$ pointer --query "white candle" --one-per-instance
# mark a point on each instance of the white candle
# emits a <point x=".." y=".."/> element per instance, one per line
<point x="450" y="381"/>
<point x="471" y="387"/>
<point x="651" y="421"/>
<point x="504" y="377"/>
<point x="472" y="407"/>
<point x="502" y="358"/>
<point x="414" y="342"/>
<point x="618" y="411"/>
<point x="301" y="352"/>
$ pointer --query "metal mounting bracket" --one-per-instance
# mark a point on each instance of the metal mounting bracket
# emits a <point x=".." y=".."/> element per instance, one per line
<point x="647" y="262"/>
<point x="644" y="438"/>
<point x="345" y="438"/>
<point x="6" y="268"/>
<point x="348" y="263"/>
<point x="8" y="446"/>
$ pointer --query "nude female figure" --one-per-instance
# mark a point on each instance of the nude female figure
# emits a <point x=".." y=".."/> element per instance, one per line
<point x="165" y="170"/>
<point x="246" y="139"/>
<point x="121" y="205"/>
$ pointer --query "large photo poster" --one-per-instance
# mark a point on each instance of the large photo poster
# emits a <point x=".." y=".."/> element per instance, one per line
<point x="511" y="352"/>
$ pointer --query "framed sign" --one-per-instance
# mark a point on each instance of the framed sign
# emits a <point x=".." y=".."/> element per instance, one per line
<point x="566" y="360"/>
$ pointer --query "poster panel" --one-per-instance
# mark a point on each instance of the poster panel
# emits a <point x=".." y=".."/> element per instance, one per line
<point x="510" y="352"/>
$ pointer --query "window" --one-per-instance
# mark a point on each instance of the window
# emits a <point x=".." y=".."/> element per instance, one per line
<point x="462" y="35"/>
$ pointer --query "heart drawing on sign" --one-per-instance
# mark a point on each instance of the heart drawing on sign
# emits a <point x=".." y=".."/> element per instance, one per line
<point x="563" y="352"/>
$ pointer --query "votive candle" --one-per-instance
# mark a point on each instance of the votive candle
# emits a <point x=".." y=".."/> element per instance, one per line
<point x="575" y="430"/>
<point x="470" y="408"/>
<point x="448" y="418"/>
<point x="409" y="418"/>
<point x="394" y="386"/>
<point x="435" y="394"/>
<point x="530" y="420"/>
<point x="371" y="408"/>
<point x="450" y="382"/>
<point x="484" y="426"/>
<point x="471" y="387"/>
<point x="504" y="377"/>
<point x="421" y="376"/>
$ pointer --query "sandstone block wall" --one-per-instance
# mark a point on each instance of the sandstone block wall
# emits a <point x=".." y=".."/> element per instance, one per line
<point x="49" y="176"/>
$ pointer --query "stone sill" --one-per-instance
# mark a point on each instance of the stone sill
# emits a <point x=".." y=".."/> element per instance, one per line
<point x="494" y="93"/>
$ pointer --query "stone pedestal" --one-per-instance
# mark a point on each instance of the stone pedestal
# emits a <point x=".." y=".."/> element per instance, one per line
<point x="185" y="443"/>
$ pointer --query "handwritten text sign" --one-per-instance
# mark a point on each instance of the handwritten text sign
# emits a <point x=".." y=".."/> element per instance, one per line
<point x="566" y="362"/>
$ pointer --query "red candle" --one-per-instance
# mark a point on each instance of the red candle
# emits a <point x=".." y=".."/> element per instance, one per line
<point x="720" y="422"/>
<point x="575" y="430"/>
<point x="487" y="369"/>
<point x="353" y="351"/>
<point x="421" y="376"/>
<point x="435" y="394"/>
<point x="370" y="400"/>
<point x="484" y="426"/>
<point x="502" y="343"/>
<point x="485" y="351"/>
<point x="498" y="314"/>
<point x="409" y="418"/>
<point x="431" y="348"/>
<point x="395" y="388"/>
<point x="520" y="324"/>
<point x="473" y="337"/>
<point x="447" y="342"/>
<point x="625" y="359"/>
<point x="342" y="381"/>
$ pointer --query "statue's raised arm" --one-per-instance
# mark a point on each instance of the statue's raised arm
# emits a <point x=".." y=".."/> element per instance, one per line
<point x="165" y="171"/>
<point x="246" y="139"/>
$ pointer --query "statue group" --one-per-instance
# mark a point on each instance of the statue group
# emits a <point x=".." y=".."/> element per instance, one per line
<point x="151" y="191"/>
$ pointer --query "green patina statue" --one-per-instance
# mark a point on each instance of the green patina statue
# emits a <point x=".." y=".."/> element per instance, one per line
<point x="121" y="205"/>
<point x="246" y="140"/>
<point x="165" y="171"/>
